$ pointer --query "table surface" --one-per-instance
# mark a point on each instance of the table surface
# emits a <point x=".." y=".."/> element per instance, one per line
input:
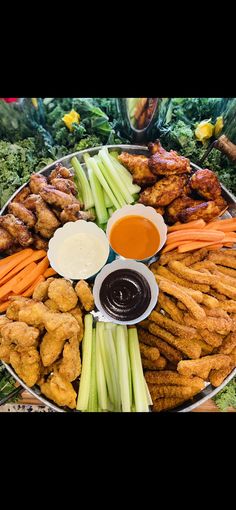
<point x="33" y="404"/>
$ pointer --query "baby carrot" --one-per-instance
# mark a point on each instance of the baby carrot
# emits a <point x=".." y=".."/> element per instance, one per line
<point x="172" y="246"/>
<point x="12" y="284"/>
<point x="40" y="268"/>
<point x="29" y="292"/>
<point x="13" y="262"/>
<point x="195" y="235"/>
<point x="37" y="255"/>
<point x="27" y="251"/>
<point x="215" y="247"/>
<point x="186" y="226"/>
<point x="194" y="246"/>
<point x="49" y="272"/>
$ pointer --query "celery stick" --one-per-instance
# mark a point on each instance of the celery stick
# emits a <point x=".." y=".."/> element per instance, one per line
<point x="114" y="154"/>
<point x="126" y="179"/>
<point x="139" y="390"/>
<point x="84" y="387"/>
<point x="149" y="398"/>
<point x="111" y="171"/>
<point x="106" y="362"/>
<point x="98" y="196"/>
<point x="111" y="210"/>
<point x="100" y="376"/>
<point x="107" y="200"/>
<point x="111" y="353"/>
<point x="103" y="182"/>
<point x="110" y="180"/>
<point x="123" y="368"/>
<point x="84" y="184"/>
<point x="135" y="197"/>
<point x="129" y="366"/>
<point x="93" y="212"/>
<point x="93" y="397"/>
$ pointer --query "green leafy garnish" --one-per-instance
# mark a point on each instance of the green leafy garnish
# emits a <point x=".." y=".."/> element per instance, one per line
<point x="227" y="396"/>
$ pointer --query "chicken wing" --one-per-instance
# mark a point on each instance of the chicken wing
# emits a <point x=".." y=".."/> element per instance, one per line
<point x="22" y="195"/>
<point x="163" y="162"/>
<point x="37" y="183"/>
<point x="20" y="211"/>
<point x="85" y="295"/>
<point x="206" y="183"/>
<point x="205" y="210"/>
<point x="138" y="167"/>
<point x="47" y="222"/>
<point x="62" y="292"/>
<point x="73" y="213"/>
<point x="57" y="198"/>
<point x="6" y="240"/>
<point x="61" y="171"/>
<point x="16" y="229"/>
<point x="70" y="366"/>
<point x="65" y="185"/>
<point x="40" y="243"/>
<point x="58" y="389"/>
<point x="164" y="191"/>
<point x="178" y="205"/>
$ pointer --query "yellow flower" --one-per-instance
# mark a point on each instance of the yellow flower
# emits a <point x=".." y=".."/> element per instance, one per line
<point x="71" y="117"/>
<point x="204" y="130"/>
<point x="34" y="102"/>
<point x="218" y="126"/>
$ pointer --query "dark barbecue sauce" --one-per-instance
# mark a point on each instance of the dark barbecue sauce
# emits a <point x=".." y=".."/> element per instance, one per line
<point x="125" y="294"/>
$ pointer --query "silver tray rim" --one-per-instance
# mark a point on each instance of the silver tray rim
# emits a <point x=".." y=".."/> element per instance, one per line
<point x="231" y="199"/>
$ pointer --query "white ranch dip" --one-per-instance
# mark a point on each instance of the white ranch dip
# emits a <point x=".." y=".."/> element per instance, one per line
<point x="81" y="256"/>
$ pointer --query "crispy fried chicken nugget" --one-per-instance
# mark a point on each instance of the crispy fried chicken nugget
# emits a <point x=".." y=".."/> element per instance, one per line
<point x="17" y="304"/>
<point x="60" y="327"/>
<point x="172" y="289"/>
<point x="58" y="389"/>
<point x="41" y="291"/>
<point x="70" y="366"/>
<point x="213" y="324"/>
<point x="191" y="349"/>
<point x="166" y="273"/>
<point x="77" y="314"/>
<point x="85" y="295"/>
<point x="169" y="352"/>
<point x="157" y="364"/>
<point x="174" y="378"/>
<point x="222" y="259"/>
<point x="170" y="307"/>
<point x="157" y="391"/>
<point x="151" y="353"/>
<point x="62" y="292"/>
<point x="51" y="305"/>
<point x="202" y="367"/>
<point x="27" y="364"/>
<point x="163" y="404"/>
<point x="172" y="326"/>
<point x="189" y="274"/>
<point x="228" y="344"/>
<point x="19" y="333"/>
<point x="216" y="377"/>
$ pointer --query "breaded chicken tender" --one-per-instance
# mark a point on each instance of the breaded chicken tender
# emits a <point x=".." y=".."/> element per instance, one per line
<point x="70" y="366"/>
<point x="211" y="337"/>
<point x="138" y="167"/>
<point x="33" y="314"/>
<point x="19" y="333"/>
<point x="51" y="305"/>
<point x="170" y="307"/>
<point x="172" y="326"/>
<point x="183" y="296"/>
<point x="202" y="367"/>
<point x="157" y="364"/>
<point x="189" y="348"/>
<point x="26" y="363"/>
<point x="163" y="404"/>
<point x="157" y="391"/>
<point x="169" y="352"/>
<point x="213" y="324"/>
<point x="85" y="295"/>
<point x="62" y="292"/>
<point x="228" y="344"/>
<point x="163" y="192"/>
<point x="174" y="378"/>
<point x="216" y="377"/>
<point x="58" y="389"/>
<point x="151" y="353"/>
<point x="54" y="340"/>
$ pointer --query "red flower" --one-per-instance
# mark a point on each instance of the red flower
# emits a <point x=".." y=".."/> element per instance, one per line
<point x="9" y="99"/>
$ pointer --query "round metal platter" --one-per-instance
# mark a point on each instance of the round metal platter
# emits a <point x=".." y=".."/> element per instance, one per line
<point x="208" y="391"/>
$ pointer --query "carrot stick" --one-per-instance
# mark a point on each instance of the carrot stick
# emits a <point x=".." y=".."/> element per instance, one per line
<point x="215" y="247"/>
<point x="9" y="286"/>
<point x="229" y="227"/>
<point x="49" y="272"/>
<point x="27" y="251"/>
<point x="37" y="255"/>
<point x="8" y="266"/>
<point x="190" y="225"/>
<point x="29" y="292"/>
<point x="228" y="245"/>
<point x="195" y="235"/>
<point x="194" y="246"/>
<point x="230" y="238"/>
<point x="221" y="223"/>
<point x="40" y="268"/>
<point x="172" y="246"/>
<point x="4" y="306"/>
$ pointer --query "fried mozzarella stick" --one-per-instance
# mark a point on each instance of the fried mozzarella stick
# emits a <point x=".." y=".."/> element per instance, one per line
<point x="170" y="307"/>
<point x="228" y="344"/>
<point x="174" y="255"/>
<point x="225" y="289"/>
<point x="158" y="364"/>
<point x="191" y="349"/>
<point x="210" y="302"/>
<point x="167" y="377"/>
<point x="227" y="270"/>
<point x="211" y="337"/>
<point x="218" y="376"/>
<point x="222" y="259"/>
<point x="216" y="312"/>
<point x="202" y="367"/>
<point x="217" y="296"/>
<point x="194" y="257"/>
<point x="213" y="324"/>
<point x="170" y="353"/>
<point x="170" y="391"/>
<point x="190" y="303"/>
<point x="205" y="348"/>
<point x="151" y="353"/>
<point x="190" y="274"/>
<point x="229" y="306"/>
<point x="172" y="326"/>
<point x="163" y="404"/>
<point x="166" y="273"/>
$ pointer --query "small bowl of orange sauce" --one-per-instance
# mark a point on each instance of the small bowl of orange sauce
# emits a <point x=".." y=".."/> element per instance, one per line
<point x="136" y="232"/>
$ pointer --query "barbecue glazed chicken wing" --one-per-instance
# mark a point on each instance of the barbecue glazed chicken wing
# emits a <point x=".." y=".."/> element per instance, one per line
<point x="204" y="210"/>
<point x="206" y="183"/>
<point x="163" y="162"/>
<point x="178" y="205"/>
<point x="138" y="167"/>
<point x="164" y="191"/>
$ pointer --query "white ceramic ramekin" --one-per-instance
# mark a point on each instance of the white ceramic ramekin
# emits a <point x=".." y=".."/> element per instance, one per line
<point x="146" y="212"/>
<point x="69" y="229"/>
<point x="135" y="266"/>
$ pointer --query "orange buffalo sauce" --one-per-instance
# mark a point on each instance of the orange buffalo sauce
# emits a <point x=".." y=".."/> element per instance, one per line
<point x="134" y="237"/>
